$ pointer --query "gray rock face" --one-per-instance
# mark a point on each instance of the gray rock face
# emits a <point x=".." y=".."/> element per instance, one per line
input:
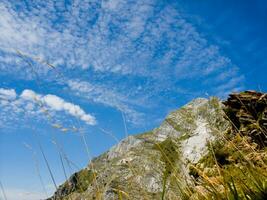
<point x="124" y="146"/>
<point x="134" y="168"/>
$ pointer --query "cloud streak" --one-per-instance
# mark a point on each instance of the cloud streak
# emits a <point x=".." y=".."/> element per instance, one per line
<point x="56" y="103"/>
<point x="106" y="96"/>
<point x="7" y="94"/>
<point x="114" y="36"/>
<point x="33" y="103"/>
<point x="121" y="43"/>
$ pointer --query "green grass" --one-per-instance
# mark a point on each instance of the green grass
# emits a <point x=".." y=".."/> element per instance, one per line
<point x="80" y="181"/>
<point x="169" y="156"/>
<point x="234" y="168"/>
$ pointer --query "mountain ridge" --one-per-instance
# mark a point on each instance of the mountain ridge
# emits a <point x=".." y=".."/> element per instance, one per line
<point x="144" y="166"/>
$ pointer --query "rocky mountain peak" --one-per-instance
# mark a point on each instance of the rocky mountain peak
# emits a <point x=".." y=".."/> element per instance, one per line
<point x="143" y="166"/>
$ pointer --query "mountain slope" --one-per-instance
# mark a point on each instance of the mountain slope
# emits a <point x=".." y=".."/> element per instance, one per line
<point x="135" y="167"/>
<point x="160" y="164"/>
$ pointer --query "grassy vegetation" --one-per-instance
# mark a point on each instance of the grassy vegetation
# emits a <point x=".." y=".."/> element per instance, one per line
<point x="234" y="168"/>
<point x="169" y="156"/>
<point x="78" y="182"/>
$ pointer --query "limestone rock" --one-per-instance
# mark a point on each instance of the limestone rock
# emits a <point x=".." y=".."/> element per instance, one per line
<point x="137" y="166"/>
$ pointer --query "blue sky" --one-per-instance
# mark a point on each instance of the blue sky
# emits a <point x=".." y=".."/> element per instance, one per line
<point x="106" y="69"/>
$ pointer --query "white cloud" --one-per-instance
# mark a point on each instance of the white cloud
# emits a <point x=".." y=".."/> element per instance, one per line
<point x="16" y="31"/>
<point x="111" y="36"/>
<point x="56" y="103"/>
<point x="33" y="103"/>
<point x="7" y="94"/>
<point x="108" y="97"/>
<point x="30" y="95"/>
<point x="140" y="40"/>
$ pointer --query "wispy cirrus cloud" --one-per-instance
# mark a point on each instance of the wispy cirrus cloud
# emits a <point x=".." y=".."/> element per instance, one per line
<point x="145" y="42"/>
<point x="7" y="94"/>
<point x="116" y="36"/>
<point x="108" y="97"/>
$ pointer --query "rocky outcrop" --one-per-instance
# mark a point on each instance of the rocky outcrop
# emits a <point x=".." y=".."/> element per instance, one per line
<point x="143" y="166"/>
<point x="247" y="112"/>
<point x="235" y="166"/>
<point x="194" y="150"/>
<point x="78" y="182"/>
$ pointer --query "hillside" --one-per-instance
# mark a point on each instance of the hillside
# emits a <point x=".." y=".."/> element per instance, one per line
<point x="205" y="150"/>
